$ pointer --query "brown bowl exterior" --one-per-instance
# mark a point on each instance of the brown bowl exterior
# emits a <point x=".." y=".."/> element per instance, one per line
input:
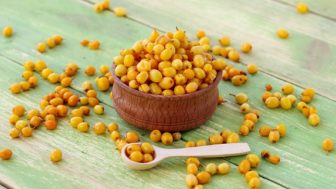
<point x="165" y="113"/>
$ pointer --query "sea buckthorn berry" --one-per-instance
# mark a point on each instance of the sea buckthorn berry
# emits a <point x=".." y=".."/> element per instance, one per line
<point x="33" y="81"/>
<point x="244" y="130"/>
<point x="282" y="33"/>
<point x="189" y="144"/>
<point x="147" y="148"/>
<point x="201" y="142"/>
<point x="50" y="124"/>
<point x="142" y="77"/>
<point x="35" y="121"/>
<point x="244" y="166"/>
<point x="32" y="112"/>
<point x="268" y="87"/>
<point x="264" y="131"/>
<point x="14" y="133"/>
<point x="133" y="148"/>
<point x="200" y="34"/>
<point x="51" y="42"/>
<point x="192" y="168"/>
<point x="203" y="177"/>
<point x="310" y="92"/>
<point x="20" y="124"/>
<point x="7" y="31"/>
<point x="98" y="7"/>
<point x="191" y="181"/>
<point x="177" y="136"/>
<point x="74" y="121"/>
<point x="53" y="78"/>
<point x="85" y="110"/>
<point x="306" y="99"/>
<point x="56" y="155"/>
<point x="232" y="138"/>
<point x="95" y="44"/>
<point x="274" y="159"/>
<point x="274" y="136"/>
<point x="287" y="89"/>
<point x="120" y="11"/>
<point x="99" y="128"/>
<point x="132" y="137"/>
<point x="241" y="98"/>
<point x="166" y="83"/>
<point x="155" y="136"/>
<point x="223" y="168"/>
<point x="83" y="127"/>
<point x="314" y="119"/>
<point x="251" y="116"/>
<point x="167" y="138"/>
<point x="252" y="68"/>
<point x="234" y="55"/>
<point x="282" y="129"/>
<point x="58" y="39"/>
<point x="15" y="88"/>
<point x="246" y="47"/>
<point x="272" y="102"/>
<point x="6" y="154"/>
<point x="19" y="110"/>
<point x="84" y="42"/>
<point x="90" y="71"/>
<point x="220" y="99"/>
<point x="46" y="72"/>
<point x="251" y="174"/>
<point x="254" y="183"/>
<point x="147" y="158"/>
<point x="27" y="74"/>
<point x="249" y="124"/>
<point x="225" y="41"/>
<point x="245" y="108"/>
<point x="292" y="99"/>
<point x="302" y="8"/>
<point x="327" y="145"/>
<point x="41" y="47"/>
<point x="211" y="168"/>
<point x="77" y="112"/>
<point x="99" y="109"/>
<point x="40" y="65"/>
<point x="115" y="135"/>
<point x="136" y="156"/>
<point x="301" y="105"/>
<point x="253" y="159"/>
<point x="25" y="86"/>
<point x="29" y="65"/>
<point x="216" y="139"/>
<point x="285" y="103"/>
<point x="104" y="69"/>
<point x="191" y="87"/>
<point x="103" y="83"/>
<point x="27" y="131"/>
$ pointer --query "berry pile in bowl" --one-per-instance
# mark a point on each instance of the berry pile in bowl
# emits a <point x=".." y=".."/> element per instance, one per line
<point x="166" y="82"/>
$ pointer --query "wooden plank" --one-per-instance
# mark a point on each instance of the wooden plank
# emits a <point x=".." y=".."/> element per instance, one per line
<point x="103" y="167"/>
<point x="310" y="50"/>
<point x="89" y="160"/>
<point x="325" y="8"/>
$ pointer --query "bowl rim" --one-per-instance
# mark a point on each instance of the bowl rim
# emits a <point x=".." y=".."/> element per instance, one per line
<point x="162" y="97"/>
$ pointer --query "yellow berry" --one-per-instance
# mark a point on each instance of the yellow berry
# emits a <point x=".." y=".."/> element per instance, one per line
<point x="129" y="60"/>
<point x="234" y="56"/>
<point x="104" y="69"/>
<point x="167" y="138"/>
<point x="225" y="41"/>
<point x="191" y="87"/>
<point x="189" y="144"/>
<point x="252" y="68"/>
<point x="233" y="138"/>
<point x="120" y="11"/>
<point x="192" y="168"/>
<point x="246" y="47"/>
<point x="302" y="8"/>
<point x="272" y="102"/>
<point x="99" y="128"/>
<point x="216" y="139"/>
<point x="75" y="121"/>
<point x="285" y="103"/>
<point x="98" y="109"/>
<point x="142" y="77"/>
<point x="136" y="156"/>
<point x="211" y="168"/>
<point x="27" y="131"/>
<point x="147" y="158"/>
<point x="41" y="47"/>
<point x="251" y="116"/>
<point x="98" y="7"/>
<point x="251" y="174"/>
<point x="244" y="130"/>
<point x="113" y="127"/>
<point x="253" y="159"/>
<point x="95" y="44"/>
<point x="245" y="108"/>
<point x="244" y="166"/>
<point x="166" y="83"/>
<point x="103" y="83"/>
<point x="15" y="88"/>
<point x="203" y="177"/>
<point x="7" y="31"/>
<point x="83" y="127"/>
<point x="254" y="183"/>
<point x="53" y="78"/>
<point x="264" y="131"/>
<point x="314" y="119"/>
<point x="155" y="136"/>
<point x="287" y="88"/>
<point x="14" y="133"/>
<point x="166" y="54"/>
<point x="274" y="159"/>
<point x="191" y="181"/>
<point x="90" y="71"/>
<point x="115" y="135"/>
<point x="241" y="98"/>
<point x="327" y="145"/>
<point x="282" y="33"/>
<point x="6" y="154"/>
<point x="58" y="39"/>
<point x="223" y="168"/>
<point x="274" y="136"/>
<point x="56" y="155"/>
<point x="282" y="129"/>
<point x="51" y="42"/>
<point x="19" y="110"/>
<point x="310" y="92"/>
<point x="132" y="137"/>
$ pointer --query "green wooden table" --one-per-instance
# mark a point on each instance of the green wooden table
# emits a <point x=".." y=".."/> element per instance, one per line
<point x="306" y="59"/>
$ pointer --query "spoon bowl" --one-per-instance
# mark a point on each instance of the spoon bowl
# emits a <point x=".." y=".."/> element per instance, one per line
<point x="211" y="151"/>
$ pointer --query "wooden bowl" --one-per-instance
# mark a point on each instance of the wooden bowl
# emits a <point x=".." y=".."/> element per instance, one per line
<point x="165" y="113"/>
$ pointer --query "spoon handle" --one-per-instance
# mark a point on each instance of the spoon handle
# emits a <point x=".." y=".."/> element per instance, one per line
<point x="218" y="150"/>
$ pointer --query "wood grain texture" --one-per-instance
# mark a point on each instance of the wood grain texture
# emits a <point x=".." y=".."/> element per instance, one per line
<point x="326" y="8"/>
<point x="310" y="49"/>
<point x="89" y="161"/>
<point x="165" y="113"/>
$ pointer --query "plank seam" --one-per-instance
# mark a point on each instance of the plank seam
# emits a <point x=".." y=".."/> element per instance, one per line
<point x="310" y="11"/>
